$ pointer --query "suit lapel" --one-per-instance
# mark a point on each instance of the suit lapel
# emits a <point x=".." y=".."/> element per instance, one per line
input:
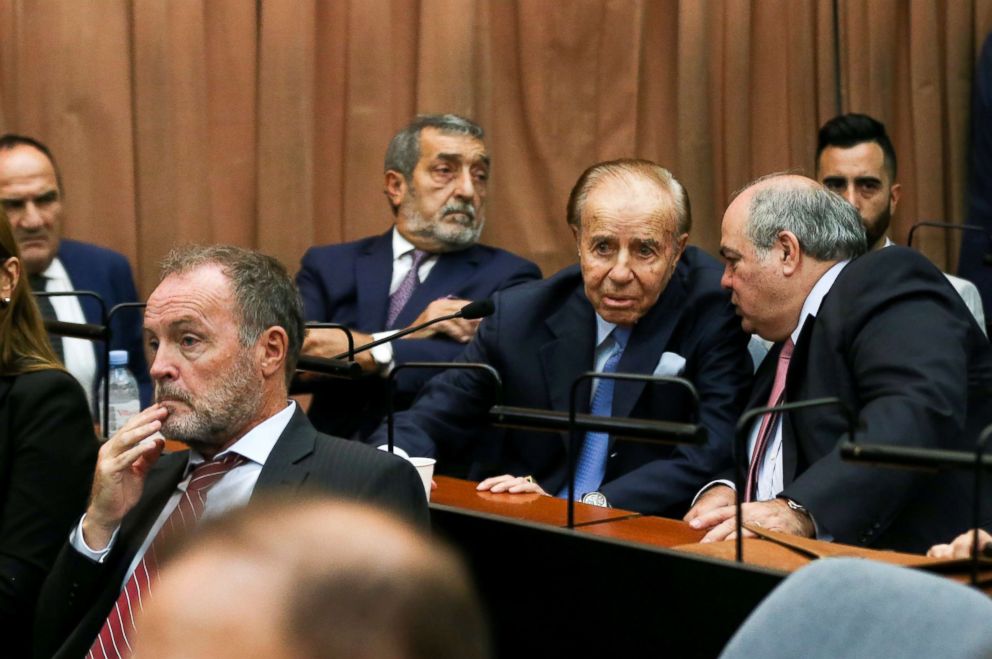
<point x="285" y="467"/>
<point x="570" y="353"/>
<point x="793" y="378"/>
<point x="373" y="272"/>
<point x="648" y="340"/>
<point x="450" y="271"/>
<point x="81" y="276"/>
<point x="160" y="485"/>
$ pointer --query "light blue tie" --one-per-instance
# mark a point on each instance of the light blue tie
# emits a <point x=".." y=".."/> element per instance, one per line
<point x="591" y="464"/>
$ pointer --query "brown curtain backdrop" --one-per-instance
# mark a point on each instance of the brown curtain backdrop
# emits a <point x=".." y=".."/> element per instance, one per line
<point x="264" y="123"/>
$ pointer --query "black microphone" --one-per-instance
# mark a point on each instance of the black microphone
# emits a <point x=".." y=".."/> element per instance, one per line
<point x="338" y="368"/>
<point x="471" y="311"/>
<point x="87" y="331"/>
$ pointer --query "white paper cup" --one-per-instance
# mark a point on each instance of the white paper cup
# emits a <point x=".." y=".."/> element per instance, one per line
<point x="425" y="467"/>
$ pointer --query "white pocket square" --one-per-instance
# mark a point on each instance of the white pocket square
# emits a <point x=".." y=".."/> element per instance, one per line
<point x="670" y="364"/>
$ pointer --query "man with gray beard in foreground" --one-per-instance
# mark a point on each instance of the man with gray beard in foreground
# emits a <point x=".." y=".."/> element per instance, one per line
<point x="428" y="265"/>
<point x="224" y="329"/>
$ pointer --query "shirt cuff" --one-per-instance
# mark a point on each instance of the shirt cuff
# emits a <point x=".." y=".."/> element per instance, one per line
<point x="729" y="484"/>
<point x="79" y="544"/>
<point x="383" y="355"/>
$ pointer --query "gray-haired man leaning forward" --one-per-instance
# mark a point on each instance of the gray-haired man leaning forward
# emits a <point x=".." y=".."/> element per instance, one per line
<point x="884" y="332"/>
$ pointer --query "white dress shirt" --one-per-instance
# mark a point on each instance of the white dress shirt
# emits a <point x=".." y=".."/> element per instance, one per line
<point x="80" y="360"/>
<point x="402" y="260"/>
<point x="232" y="490"/>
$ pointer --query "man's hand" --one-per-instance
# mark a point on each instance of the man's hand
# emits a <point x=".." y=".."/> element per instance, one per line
<point x="960" y="547"/>
<point x="459" y="329"/>
<point x="121" y="466"/>
<point x="718" y="496"/>
<point x="329" y="343"/>
<point x="774" y="515"/>
<point x="511" y="484"/>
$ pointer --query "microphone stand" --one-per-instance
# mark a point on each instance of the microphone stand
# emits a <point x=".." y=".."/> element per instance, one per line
<point x="435" y="366"/>
<point x="740" y="453"/>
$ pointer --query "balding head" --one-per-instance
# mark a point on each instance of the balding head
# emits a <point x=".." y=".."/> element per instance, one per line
<point x="312" y="579"/>
<point x="778" y="238"/>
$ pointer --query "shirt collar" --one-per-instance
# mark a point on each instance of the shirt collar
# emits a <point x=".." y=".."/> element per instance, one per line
<point x="603" y="330"/>
<point x="56" y="271"/>
<point x="815" y="298"/>
<point x="401" y="246"/>
<point x="258" y="442"/>
<point x="888" y="242"/>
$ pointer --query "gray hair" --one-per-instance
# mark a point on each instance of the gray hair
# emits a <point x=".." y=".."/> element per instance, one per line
<point x="624" y="169"/>
<point x="404" y="149"/>
<point x="827" y="227"/>
<point x="263" y="290"/>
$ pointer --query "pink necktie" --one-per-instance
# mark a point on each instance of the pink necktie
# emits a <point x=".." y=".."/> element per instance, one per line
<point x="113" y="640"/>
<point x="768" y="421"/>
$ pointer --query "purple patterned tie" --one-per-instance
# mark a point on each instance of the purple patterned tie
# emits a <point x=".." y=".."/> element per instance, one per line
<point x="402" y="295"/>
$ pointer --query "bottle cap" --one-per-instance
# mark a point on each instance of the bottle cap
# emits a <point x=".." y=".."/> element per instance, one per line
<point x="118" y="357"/>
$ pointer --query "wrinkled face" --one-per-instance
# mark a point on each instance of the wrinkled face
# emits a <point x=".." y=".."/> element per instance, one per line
<point x="210" y="383"/>
<point x="756" y="284"/>
<point x="30" y="196"/>
<point x="858" y="174"/>
<point x="443" y="203"/>
<point x="628" y="247"/>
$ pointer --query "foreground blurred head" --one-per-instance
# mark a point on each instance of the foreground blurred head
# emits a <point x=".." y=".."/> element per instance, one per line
<point x="312" y="579"/>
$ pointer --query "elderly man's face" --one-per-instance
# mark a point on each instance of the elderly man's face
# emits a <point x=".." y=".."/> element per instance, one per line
<point x="756" y="285"/>
<point x="30" y="196"/>
<point x="443" y="203"/>
<point x="628" y="247"/>
<point x="858" y="175"/>
<point x="209" y="382"/>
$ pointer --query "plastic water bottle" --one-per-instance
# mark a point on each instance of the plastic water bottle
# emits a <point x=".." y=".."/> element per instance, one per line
<point x="124" y="398"/>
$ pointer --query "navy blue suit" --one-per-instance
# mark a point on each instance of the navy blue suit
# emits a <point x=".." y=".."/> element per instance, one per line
<point x="542" y="337"/>
<point x="108" y="274"/>
<point x="349" y="284"/>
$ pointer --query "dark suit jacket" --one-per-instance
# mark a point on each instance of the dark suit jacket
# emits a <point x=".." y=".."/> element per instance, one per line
<point x="79" y="593"/>
<point x="542" y="337"/>
<point x="896" y="344"/>
<point x="349" y="284"/>
<point x="108" y="274"/>
<point x="47" y="454"/>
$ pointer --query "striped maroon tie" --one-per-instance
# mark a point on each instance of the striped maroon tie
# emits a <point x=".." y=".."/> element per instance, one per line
<point x="768" y="421"/>
<point x="113" y="641"/>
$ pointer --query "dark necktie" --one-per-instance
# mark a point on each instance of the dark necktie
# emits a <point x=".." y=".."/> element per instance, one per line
<point x="47" y="311"/>
<point x="767" y="427"/>
<point x="404" y="292"/>
<point x="114" y="638"/>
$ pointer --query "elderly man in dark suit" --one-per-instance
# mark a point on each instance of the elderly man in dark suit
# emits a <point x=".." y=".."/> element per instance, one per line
<point x="887" y="334"/>
<point x="640" y="301"/>
<point x="31" y="194"/>
<point x="429" y="264"/>
<point x="225" y="327"/>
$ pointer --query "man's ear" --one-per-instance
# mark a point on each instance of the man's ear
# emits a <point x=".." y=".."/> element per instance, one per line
<point x="273" y="346"/>
<point x="680" y="244"/>
<point x="788" y="252"/>
<point x="396" y="188"/>
<point x="894" y="193"/>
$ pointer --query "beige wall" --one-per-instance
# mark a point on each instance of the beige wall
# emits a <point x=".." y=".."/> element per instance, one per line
<point x="263" y="123"/>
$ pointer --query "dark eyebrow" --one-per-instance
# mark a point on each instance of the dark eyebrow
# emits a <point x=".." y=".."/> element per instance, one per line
<point x="868" y="179"/>
<point x="457" y="157"/>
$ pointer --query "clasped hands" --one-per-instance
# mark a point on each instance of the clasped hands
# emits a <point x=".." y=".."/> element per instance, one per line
<point x="715" y="512"/>
<point x="327" y="342"/>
